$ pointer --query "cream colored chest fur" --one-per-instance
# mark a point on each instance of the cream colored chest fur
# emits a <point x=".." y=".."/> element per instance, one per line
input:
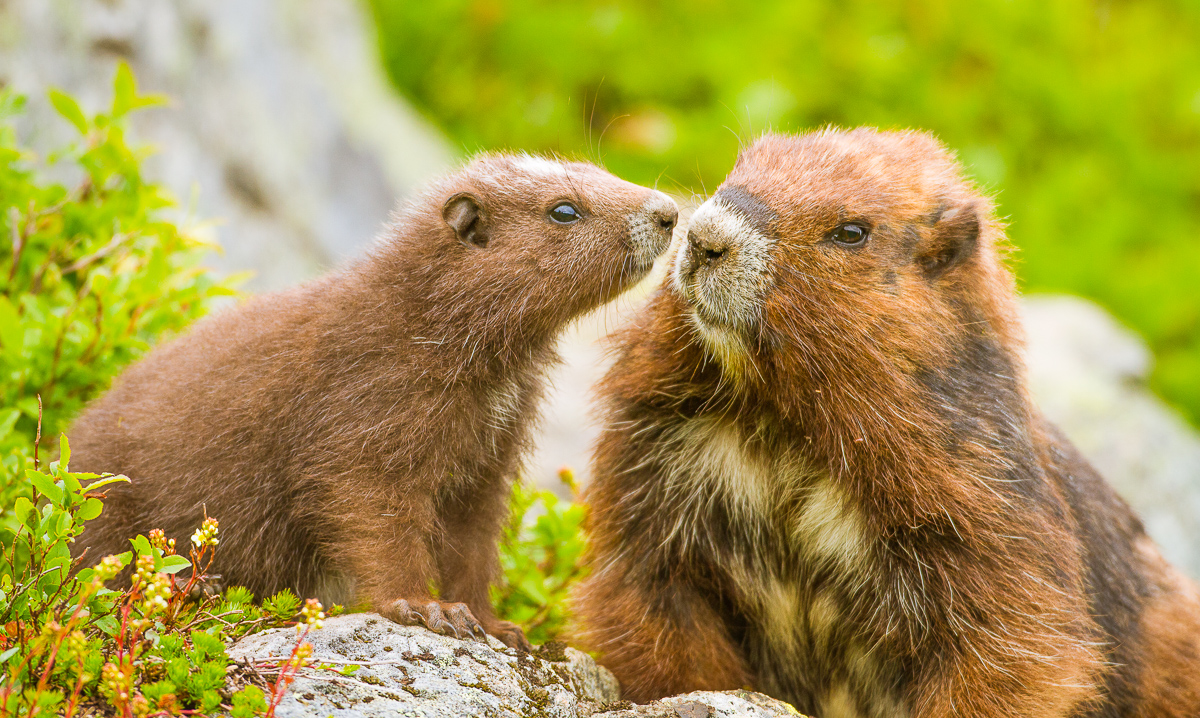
<point x="774" y="497"/>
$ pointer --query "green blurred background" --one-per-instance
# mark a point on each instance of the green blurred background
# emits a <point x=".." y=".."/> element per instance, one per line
<point x="1083" y="118"/>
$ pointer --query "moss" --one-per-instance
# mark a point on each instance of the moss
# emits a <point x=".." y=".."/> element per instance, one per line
<point x="539" y="697"/>
<point x="615" y="706"/>
<point x="552" y="651"/>
<point x="479" y="686"/>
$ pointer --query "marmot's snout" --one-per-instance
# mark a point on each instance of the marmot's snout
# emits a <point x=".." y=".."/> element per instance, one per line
<point x="721" y="268"/>
<point x="651" y="227"/>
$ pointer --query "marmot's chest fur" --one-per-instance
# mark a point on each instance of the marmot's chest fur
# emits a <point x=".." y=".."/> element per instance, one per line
<point x="793" y="568"/>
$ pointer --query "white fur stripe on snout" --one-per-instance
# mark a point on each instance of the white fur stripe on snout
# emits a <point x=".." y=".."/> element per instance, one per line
<point x="716" y="220"/>
<point x="729" y="294"/>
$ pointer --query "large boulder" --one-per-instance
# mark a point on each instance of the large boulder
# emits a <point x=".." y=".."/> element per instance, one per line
<point x="409" y="671"/>
<point x="281" y="126"/>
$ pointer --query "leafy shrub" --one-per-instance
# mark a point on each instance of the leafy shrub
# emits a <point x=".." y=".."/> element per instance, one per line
<point x="1084" y="117"/>
<point x="90" y="275"/>
<point x="71" y="646"/>
<point x="540" y="556"/>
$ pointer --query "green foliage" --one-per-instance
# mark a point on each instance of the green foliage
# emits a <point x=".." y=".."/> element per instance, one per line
<point x="89" y="277"/>
<point x="541" y="557"/>
<point x="282" y="605"/>
<point x="70" y="645"/>
<point x="1083" y="117"/>
<point x="90" y="274"/>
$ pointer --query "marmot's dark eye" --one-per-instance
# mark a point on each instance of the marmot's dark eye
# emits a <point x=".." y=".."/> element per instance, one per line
<point x="565" y="213"/>
<point x="850" y="234"/>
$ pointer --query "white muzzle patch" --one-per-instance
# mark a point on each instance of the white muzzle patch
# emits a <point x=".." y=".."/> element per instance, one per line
<point x="725" y="293"/>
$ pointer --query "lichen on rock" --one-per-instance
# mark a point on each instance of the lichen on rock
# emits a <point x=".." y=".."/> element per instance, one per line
<point x="409" y="671"/>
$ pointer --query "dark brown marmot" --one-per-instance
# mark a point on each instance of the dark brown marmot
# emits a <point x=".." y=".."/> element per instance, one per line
<point x="822" y="475"/>
<point x="357" y="436"/>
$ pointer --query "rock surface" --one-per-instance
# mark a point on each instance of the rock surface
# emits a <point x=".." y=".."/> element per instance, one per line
<point x="705" y="704"/>
<point x="1088" y="374"/>
<point x="281" y="126"/>
<point x="408" y="671"/>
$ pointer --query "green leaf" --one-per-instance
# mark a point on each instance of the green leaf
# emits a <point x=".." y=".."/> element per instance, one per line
<point x="64" y="451"/>
<point x="45" y="485"/>
<point x="89" y="509"/>
<point x="11" y="104"/>
<point x="9" y="654"/>
<point x="69" y="108"/>
<point x="108" y="624"/>
<point x="282" y="605"/>
<point x="177" y="670"/>
<point x="210" y="702"/>
<point x="105" y="481"/>
<point x="141" y="546"/>
<point x="8" y="419"/>
<point x="174" y="564"/>
<point x="248" y="703"/>
<point x="124" y="91"/>
<point x="22" y="508"/>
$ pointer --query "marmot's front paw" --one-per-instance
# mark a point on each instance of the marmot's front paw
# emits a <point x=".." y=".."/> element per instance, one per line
<point x="448" y="619"/>
<point x="511" y="634"/>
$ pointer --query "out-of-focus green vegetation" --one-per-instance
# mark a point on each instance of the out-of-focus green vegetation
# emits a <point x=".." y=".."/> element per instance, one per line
<point x="90" y="274"/>
<point x="1082" y="116"/>
<point x="540" y="558"/>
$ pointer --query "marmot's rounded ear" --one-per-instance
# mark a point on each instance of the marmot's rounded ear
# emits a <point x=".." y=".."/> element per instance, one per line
<point x="953" y="240"/>
<point x="465" y="216"/>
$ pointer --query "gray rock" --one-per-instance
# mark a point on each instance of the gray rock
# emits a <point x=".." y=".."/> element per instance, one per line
<point x="282" y="126"/>
<point x="706" y="704"/>
<point x="1088" y="374"/>
<point x="408" y="671"/>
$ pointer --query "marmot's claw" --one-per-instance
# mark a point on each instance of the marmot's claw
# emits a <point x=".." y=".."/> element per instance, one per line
<point x="462" y="620"/>
<point x="403" y="613"/>
<point x="448" y="619"/>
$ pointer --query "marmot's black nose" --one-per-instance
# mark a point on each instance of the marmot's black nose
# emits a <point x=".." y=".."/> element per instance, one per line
<point x="704" y="249"/>
<point x="666" y="216"/>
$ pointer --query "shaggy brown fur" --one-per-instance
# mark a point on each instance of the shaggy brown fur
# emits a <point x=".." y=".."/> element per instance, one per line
<point x="822" y="475"/>
<point x="357" y="436"/>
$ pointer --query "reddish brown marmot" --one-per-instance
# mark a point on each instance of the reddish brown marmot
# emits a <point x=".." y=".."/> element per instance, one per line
<point x="357" y="436"/>
<point x="822" y="475"/>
